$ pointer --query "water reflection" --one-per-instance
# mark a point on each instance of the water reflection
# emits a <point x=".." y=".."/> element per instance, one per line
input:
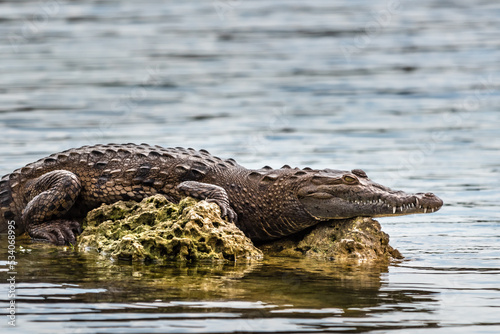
<point x="73" y="286"/>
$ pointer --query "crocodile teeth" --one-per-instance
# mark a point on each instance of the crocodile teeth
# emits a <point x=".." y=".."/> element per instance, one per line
<point x="393" y="209"/>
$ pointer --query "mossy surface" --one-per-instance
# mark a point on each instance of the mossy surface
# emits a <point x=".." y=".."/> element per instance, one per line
<point x="348" y="240"/>
<point x="158" y="230"/>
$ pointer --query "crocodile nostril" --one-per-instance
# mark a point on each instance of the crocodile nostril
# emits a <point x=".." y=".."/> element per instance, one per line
<point x="429" y="195"/>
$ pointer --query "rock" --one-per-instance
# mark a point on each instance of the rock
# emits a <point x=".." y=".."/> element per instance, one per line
<point x="359" y="239"/>
<point x="157" y="230"/>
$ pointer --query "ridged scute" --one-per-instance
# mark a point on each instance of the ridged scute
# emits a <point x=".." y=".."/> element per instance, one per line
<point x="5" y="196"/>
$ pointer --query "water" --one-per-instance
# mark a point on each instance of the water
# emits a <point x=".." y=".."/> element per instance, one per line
<point x="413" y="100"/>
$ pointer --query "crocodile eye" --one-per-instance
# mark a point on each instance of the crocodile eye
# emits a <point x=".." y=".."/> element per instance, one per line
<point x="349" y="179"/>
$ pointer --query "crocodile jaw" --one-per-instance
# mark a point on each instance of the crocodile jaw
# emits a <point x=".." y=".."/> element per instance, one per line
<point x="396" y="204"/>
<point x="410" y="204"/>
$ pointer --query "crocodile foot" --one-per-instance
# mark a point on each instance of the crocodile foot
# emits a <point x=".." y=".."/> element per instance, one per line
<point x="210" y="193"/>
<point x="225" y="209"/>
<point x="58" y="232"/>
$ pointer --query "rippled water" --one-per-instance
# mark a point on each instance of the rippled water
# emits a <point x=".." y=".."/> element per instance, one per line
<point x="409" y="93"/>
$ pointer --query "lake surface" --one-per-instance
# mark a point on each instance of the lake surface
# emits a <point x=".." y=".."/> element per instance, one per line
<point x="406" y="90"/>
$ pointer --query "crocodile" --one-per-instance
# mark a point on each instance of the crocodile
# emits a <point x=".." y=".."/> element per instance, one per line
<point x="48" y="198"/>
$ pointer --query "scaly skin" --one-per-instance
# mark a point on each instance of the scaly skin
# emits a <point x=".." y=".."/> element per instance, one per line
<point x="48" y="197"/>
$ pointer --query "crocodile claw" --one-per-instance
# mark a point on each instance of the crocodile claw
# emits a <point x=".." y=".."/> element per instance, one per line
<point x="225" y="209"/>
<point x="58" y="232"/>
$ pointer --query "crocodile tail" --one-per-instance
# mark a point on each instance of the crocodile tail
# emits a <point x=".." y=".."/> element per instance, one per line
<point x="6" y="213"/>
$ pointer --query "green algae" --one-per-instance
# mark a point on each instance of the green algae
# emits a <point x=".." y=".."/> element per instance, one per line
<point x="359" y="240"/>
<point x="157" y="230"/>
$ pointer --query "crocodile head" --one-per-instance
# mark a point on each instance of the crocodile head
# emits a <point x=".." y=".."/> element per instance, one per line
<point x="333" y="194"/>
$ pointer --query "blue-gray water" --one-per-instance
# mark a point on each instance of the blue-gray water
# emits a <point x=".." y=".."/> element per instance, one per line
<point x="406" y="90"/>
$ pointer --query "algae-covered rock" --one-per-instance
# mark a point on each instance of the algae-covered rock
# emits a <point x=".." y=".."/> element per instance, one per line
<point x="158" y="230"/>
<point x="359" y="239"/>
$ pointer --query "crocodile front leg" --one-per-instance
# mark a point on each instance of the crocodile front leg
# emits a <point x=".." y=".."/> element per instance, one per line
<point x="50" y="197"/>
<point x="210" y="193"/>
